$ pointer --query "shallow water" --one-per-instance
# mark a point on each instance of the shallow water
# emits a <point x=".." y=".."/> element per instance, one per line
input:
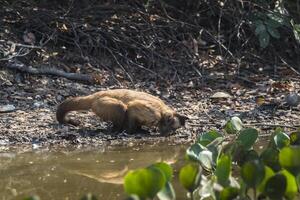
<point x="69" y="174"/>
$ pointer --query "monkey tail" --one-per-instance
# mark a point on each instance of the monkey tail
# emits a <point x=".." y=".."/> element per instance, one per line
<point x="73" y="104"/>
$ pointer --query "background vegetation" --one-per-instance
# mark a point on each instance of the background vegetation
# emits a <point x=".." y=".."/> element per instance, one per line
<point x="154" y="37"/>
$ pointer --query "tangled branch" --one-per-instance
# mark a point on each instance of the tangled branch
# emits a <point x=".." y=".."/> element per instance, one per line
<point x="154" y="37"/>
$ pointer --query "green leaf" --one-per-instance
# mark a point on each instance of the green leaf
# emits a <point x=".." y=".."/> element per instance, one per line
<point x="275" y="186"/>
<point x="289" y="158"/>
<point x="273" y="32"/>
<point x="276" y="20"/>
<point x="251" y="155"/>
<point x="243" y="156"/>
<point x="291" y="187"/>
<point x="257" y="22"/>
<point x="215" y="148"/>
<point x="32" y="198"/>
<point x="268" y="174"/>
<point x="192" y="153"/>
<point x="296" y="31"/>
<point x="295" y="138"/>
<point x="233" y="126"/>
<point x="281" y="140"/>
<point x="145" y="183"/>
<point x="253" y="172"/>
<point x="189" y="176"/>
<point x="298" y="181"/>
<point x="260" y="28"/>
<point x="206" y="159"/>
<point x="228" y="193"/>
<point x="273" y="23"/>
<point x="223" y="170"/>
<point x="264" y="39"/>
<point x="208" y="137"/>
<point x="270" y="157"/>
<point x="201" y="155"/>
<point x="247" y="137"/>
<point x="295" y="26"/>
<point x="167" y="193"/>
<point x="165" y="169"/>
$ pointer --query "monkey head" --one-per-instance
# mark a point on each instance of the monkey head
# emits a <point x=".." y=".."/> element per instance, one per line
<point x="170" y="122"/>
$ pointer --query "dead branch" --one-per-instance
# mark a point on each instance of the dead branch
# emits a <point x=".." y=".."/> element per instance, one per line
<point x="45" y="70"/>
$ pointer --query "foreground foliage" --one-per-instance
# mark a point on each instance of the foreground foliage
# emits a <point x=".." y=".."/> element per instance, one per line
<point x="273" y="173"/>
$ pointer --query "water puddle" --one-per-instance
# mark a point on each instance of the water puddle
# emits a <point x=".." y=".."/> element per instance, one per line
<point x="69" y="174"/>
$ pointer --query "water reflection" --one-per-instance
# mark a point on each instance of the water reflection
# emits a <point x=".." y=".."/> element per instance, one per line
<point x="65" y="174"/>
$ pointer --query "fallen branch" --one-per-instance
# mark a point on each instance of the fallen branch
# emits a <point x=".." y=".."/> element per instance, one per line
<point x="48" y="71"/>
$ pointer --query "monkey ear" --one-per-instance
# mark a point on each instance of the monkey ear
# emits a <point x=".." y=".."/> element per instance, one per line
<point x="182" y="119"/>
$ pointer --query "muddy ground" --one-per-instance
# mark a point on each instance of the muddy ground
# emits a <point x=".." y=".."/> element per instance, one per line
<point x="32" y="120"/>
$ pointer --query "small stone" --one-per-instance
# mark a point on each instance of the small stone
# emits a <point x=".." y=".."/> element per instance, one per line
<point x="220" y="95"/>
<point x="59" y="98"/>
<point x="191" y="84"/>
<point x="38" y="104"/>
<point x="35" y="146"/>
<point x="4" y="142"/>
<point x="7" y="108"/>
<point x="292" y="99"/>
<point x="38" y="97"/>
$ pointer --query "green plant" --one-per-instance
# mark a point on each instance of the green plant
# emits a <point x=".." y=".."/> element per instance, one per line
<point x="272" y="174"/>
<point x="146" y="183"/>
<point x="266" y="26"/>
<point x="296" y="30"/>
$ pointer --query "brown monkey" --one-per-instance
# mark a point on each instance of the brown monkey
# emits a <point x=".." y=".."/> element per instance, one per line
<point x="127" y="109"/>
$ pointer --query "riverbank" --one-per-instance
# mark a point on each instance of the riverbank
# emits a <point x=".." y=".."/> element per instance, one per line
<point x="33" y="100"/>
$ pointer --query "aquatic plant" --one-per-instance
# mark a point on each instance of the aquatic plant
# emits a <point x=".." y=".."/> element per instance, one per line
<point x="211" y="161"/>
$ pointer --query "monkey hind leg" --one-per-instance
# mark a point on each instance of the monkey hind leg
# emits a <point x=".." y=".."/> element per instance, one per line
<point x="110" y="109"/>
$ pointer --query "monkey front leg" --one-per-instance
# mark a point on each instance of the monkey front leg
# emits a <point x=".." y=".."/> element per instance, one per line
<point x="131" y="125"/>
